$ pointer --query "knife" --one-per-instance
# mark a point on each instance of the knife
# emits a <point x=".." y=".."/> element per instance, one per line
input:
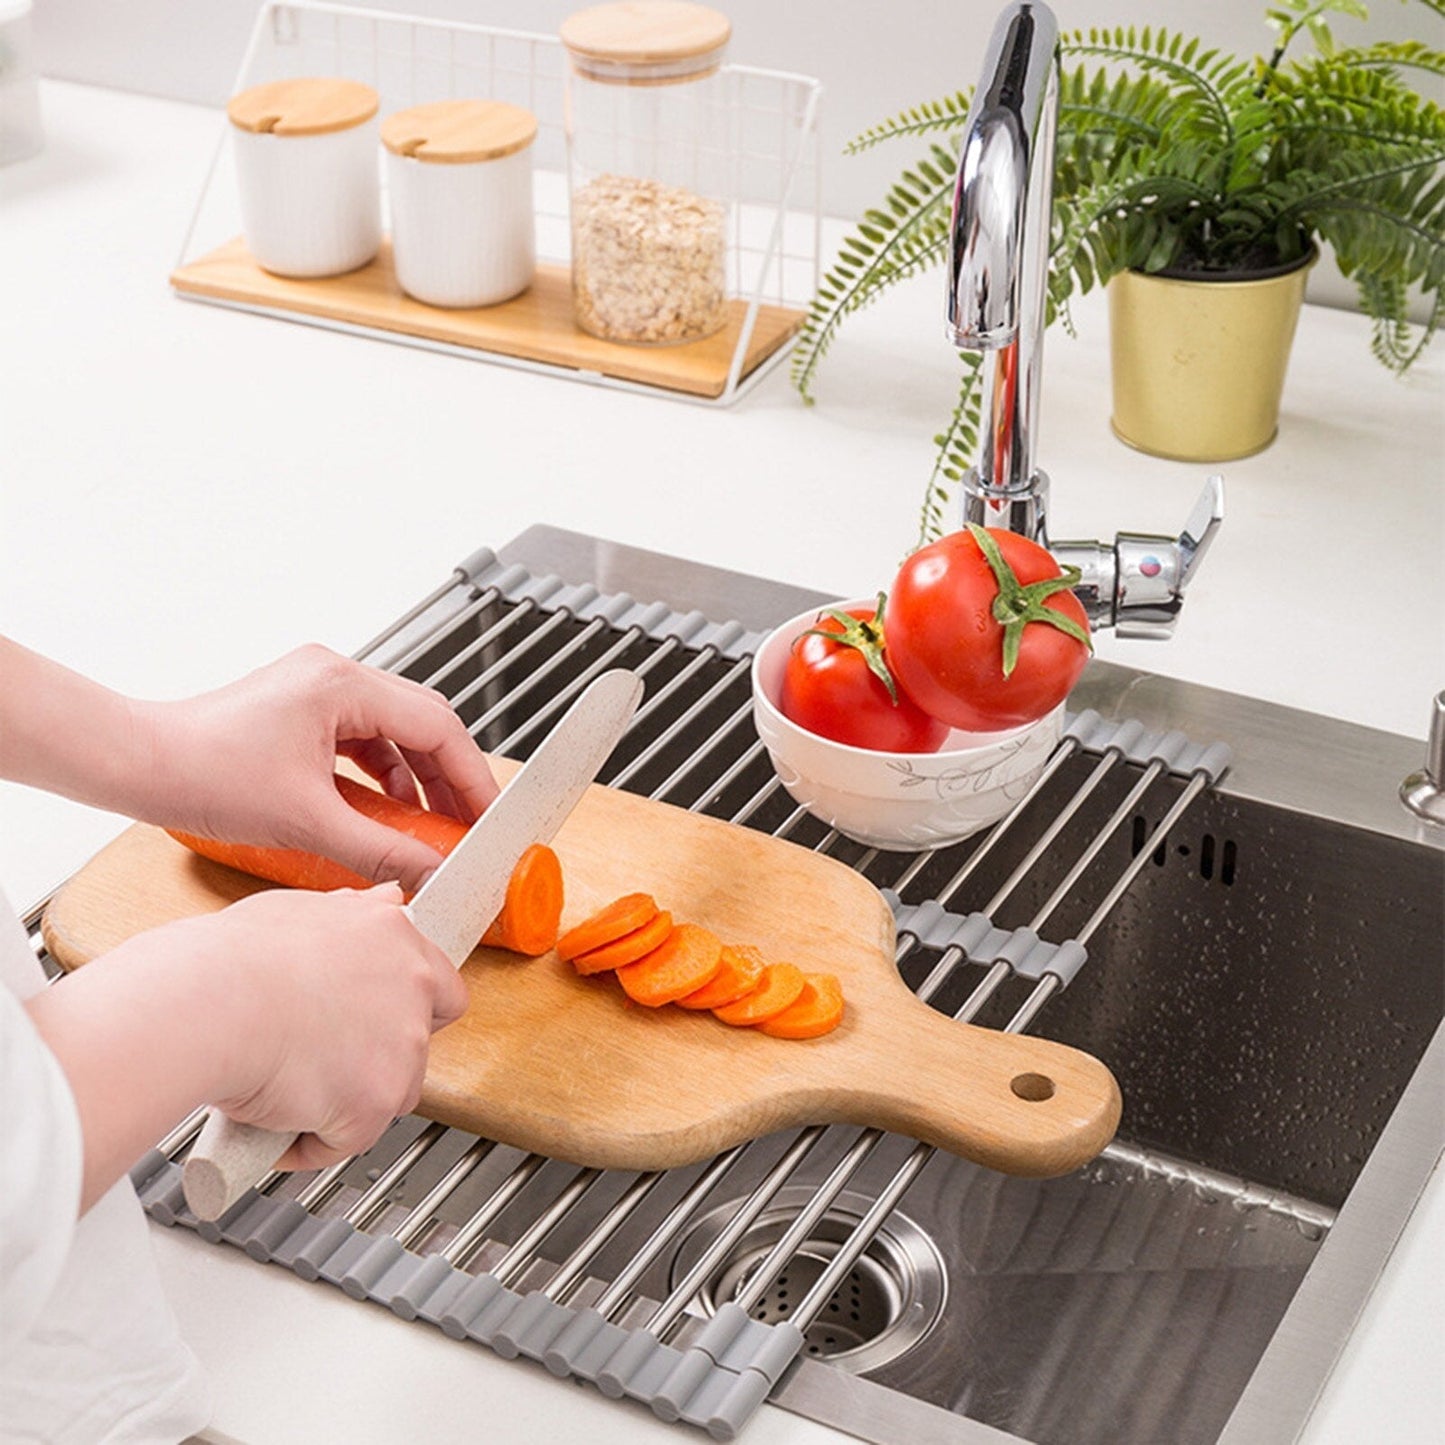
<point x="453" y="907"/>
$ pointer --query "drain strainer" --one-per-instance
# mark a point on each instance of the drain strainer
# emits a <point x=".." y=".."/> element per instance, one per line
<point x="884" y="1306"/>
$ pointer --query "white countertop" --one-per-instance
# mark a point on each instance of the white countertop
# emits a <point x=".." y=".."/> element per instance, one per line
<point x="186" y="492"/>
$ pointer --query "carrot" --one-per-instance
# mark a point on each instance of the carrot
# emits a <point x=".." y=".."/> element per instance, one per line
<point x="688" y="959"/>
<point x="782" y="983"/>
<point x="534" y="892"/>
<point x="741" y="972"/>
<point x="532" y="912"/>
<point x="607" y="925"/>
<point x="816" y="1011"/>
<point x="628" y="949"/>
<point x="296" y="868"/>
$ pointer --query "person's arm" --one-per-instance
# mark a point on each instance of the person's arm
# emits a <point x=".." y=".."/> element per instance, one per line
<point x="304" y="1012"/>
<point x="251" y="762"/>
<point x="295" y="1011"/>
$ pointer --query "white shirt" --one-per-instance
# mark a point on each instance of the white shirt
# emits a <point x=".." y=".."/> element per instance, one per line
<point x="89" y="1348"/>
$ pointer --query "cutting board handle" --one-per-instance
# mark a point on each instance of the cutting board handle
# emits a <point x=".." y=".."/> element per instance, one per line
<point x="1018" y="1104"/>
<point x="225" y="1161"/>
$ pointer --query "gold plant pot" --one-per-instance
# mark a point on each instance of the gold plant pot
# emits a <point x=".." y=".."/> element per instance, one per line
<point x="1199" y="365"/>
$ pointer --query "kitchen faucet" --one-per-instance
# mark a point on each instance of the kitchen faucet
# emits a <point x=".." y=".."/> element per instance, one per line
<point x="997" y="280"/>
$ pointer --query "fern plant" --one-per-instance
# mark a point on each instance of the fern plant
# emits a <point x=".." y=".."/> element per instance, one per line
<point x="1174" y="157"/>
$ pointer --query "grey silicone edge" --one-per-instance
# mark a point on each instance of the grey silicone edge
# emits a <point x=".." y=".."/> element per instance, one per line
<point x="585" y="1346"/>
<point x="739" y="1402"/>
<point x="492" y="1316"/>
<point x="1021" y="949"/>
<point x="288" y="1250"/>
<point x="364" y="1273"/>
<point x="640" y="1368"/>
<point x="681" y="1384"/>
<point x="718" y="1334"/>
<point x="636" y="1351"/>
<point x="240" y="1224"/>
<point x="309" y="1259"/>
<point x="768" y="1349"/>
<point x="165" y="1200"/>
<point x="146" y="1168"/>
<point x="531" y="1328"/>
<point x="339" y="1262"/>
<point x="428" y="1293"/>
<point x="730" y="640"/>
<point x="268" y="1234"/>
<point x="475" y="1296"/>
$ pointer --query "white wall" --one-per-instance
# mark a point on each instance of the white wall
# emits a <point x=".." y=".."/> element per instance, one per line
<point x="873" y="59"/>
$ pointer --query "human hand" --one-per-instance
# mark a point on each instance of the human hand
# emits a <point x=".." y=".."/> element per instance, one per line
<point x="347" y="993"/>
<point x="302" y="1012"/>
<point x="253" y="762"/>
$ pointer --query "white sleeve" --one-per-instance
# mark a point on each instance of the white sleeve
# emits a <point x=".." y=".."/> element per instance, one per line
<point x="40" y="1167"/>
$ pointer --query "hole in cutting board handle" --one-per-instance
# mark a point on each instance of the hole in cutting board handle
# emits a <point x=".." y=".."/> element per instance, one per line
<point x="1034" y="1088"/>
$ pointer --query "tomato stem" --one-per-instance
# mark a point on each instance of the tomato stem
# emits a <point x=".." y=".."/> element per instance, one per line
<point x="1017" y="604"/>
<point x="864" y="633"/>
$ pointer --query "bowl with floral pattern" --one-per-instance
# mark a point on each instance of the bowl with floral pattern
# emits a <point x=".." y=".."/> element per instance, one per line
<point x="906" y="801"/>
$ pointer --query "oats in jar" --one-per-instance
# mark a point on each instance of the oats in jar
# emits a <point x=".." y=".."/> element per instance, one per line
<point x="649" y="261"/>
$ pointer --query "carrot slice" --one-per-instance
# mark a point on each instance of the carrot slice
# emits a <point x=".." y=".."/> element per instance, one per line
<point x="741" y="972"/>
<point x="628" y="949"/>
<point x="688" y="959"/>
<point x="607" y="925"/>
<point x="818" y="1010"/>
<point x="781" y="985"/>
<point x="532" y="912"/>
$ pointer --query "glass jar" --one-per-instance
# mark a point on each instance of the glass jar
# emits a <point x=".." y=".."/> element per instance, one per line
<point x="648" y="168"/>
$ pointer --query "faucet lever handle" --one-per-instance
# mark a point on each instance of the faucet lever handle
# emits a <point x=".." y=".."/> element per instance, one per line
<point x="1200" y="530"/>
<point x="1137" y="586"/>
<point x="1151" y="573"/>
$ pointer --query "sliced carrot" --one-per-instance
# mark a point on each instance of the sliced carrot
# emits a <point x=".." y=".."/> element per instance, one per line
<point x="628" y="949"/>
<point x="689" y="958"/>
<point x="532" y="912"/>
<point x="607" y="925"/>
<point x="818" y="1010"/>
<point x="780" y="986"/>
<point x="741" y="972"/>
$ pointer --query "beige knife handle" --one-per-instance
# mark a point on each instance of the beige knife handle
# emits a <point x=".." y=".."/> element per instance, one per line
<point x="225" y="1161"/>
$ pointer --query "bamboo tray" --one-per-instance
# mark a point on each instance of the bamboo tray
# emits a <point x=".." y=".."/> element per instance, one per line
<point x="536" y="326"/>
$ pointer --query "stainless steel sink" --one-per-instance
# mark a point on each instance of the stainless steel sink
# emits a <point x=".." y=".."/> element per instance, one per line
<point x="1268" y="990"/>
<point x="1269" y="993"/>
<point x="1266" y="995"/>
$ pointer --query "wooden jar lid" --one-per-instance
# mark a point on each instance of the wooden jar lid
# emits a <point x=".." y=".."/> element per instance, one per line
<point x="456" y="132"/>
<point x="316" y="105"/>
<point x="669" y="34"/>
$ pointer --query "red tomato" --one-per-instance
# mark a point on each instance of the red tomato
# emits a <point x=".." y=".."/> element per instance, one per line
<point x="954" y="618"/>
<point x="833" y="686"/>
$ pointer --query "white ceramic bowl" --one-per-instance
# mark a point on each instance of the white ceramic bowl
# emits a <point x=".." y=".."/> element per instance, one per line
<point x="895" y="800"/>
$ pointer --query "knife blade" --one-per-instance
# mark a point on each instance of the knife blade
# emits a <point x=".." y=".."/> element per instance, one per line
<point x="452" y="908"/>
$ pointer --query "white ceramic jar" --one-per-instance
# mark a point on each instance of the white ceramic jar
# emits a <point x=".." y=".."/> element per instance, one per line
<point x="459" y="174"/>
<point x="307" y="169"/>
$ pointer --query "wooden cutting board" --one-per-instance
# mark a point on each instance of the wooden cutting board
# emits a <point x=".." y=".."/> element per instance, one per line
<point x="546" y="1060"/>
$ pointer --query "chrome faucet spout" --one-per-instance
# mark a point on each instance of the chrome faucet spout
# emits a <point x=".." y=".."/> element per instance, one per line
<point x="998" y="259"/>
<point x="998" y="266"/>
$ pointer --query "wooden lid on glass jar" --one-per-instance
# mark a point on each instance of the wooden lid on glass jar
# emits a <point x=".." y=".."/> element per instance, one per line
<point x="646" y="40"/>
<point x="315" y="105"/>
<point x="458" y="132"/>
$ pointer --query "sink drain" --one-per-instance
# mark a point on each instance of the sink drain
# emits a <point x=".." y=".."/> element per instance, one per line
<point x="884" y="1306"/>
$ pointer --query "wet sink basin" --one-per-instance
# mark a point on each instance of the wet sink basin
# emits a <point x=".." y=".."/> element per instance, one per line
<point x="1269" y="994"/>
